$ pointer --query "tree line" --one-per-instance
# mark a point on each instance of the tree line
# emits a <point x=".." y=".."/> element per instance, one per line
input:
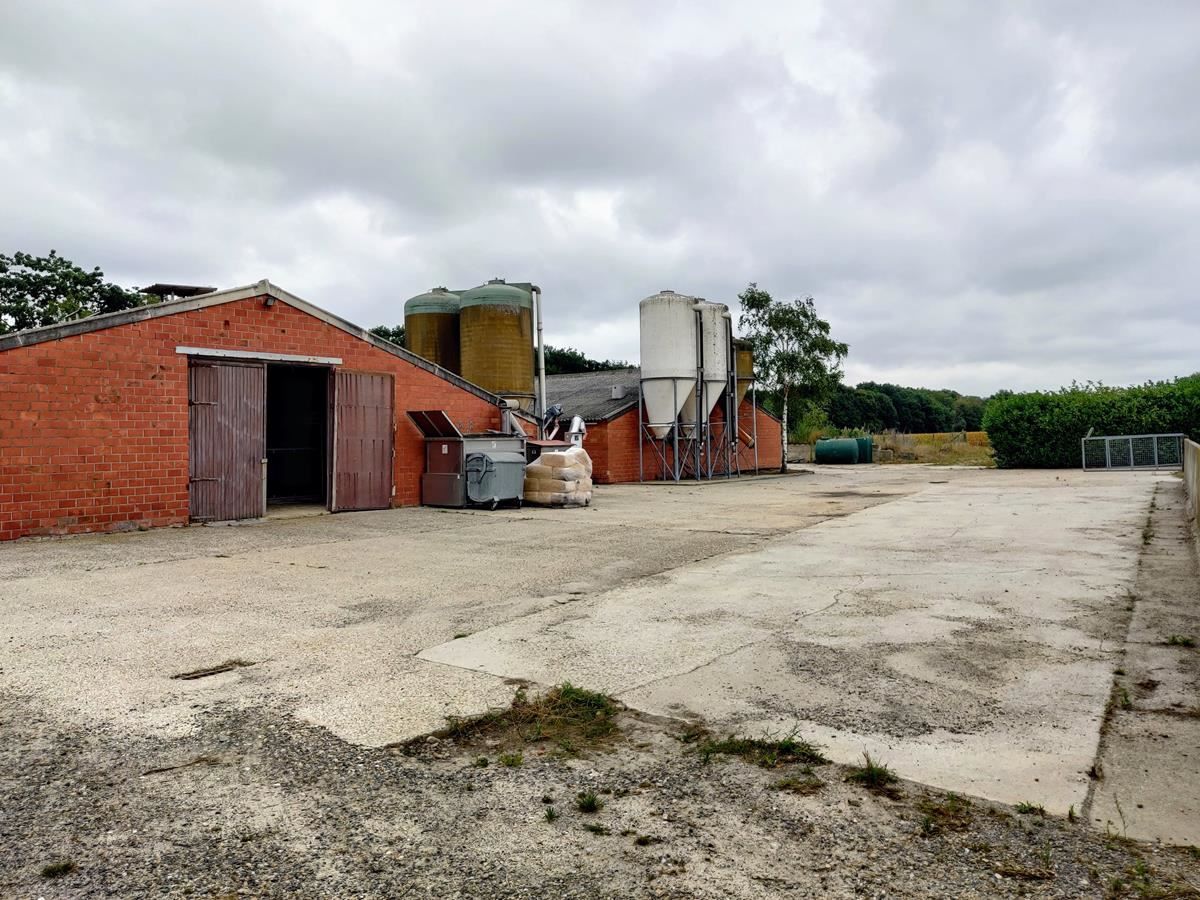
<point x="886" y="407"/>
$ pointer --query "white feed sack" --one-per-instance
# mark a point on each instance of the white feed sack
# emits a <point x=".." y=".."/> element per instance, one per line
<point x="575" y="457"/>
<point x="560" y="479"/>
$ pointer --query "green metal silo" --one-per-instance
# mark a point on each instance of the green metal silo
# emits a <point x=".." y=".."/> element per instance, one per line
<point x="496" y="340"/>
<point x="431" y="328"/>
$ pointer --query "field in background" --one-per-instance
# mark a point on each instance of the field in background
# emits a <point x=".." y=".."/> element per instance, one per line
<point x="955" y="448"/>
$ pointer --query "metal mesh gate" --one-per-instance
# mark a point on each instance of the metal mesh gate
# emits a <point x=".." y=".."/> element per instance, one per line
<point x="1133" y="451"/>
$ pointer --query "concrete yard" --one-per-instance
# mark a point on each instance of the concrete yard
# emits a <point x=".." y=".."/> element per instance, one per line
<point x="964" y="626"/>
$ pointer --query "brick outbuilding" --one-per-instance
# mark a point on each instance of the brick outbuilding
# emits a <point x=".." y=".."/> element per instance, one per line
<point x="210" y="407"/>
<point x="608" y="402"/>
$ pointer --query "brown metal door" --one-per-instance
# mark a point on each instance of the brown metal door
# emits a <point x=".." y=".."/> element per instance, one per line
<point x="363" y="429"/>
<point x="226" y="406"/>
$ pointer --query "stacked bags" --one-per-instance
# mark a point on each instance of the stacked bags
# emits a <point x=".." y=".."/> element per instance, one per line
<point x="560" y="479"/>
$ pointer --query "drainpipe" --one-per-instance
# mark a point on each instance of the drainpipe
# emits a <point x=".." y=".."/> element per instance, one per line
<point x="541" y="360"/>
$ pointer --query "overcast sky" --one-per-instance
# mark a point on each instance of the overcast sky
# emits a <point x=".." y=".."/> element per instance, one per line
<point x="978" y="195"/>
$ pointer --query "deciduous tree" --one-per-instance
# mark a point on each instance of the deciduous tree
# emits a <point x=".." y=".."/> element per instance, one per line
<point x="793" y="349"/>
<point x="44" y="290"/>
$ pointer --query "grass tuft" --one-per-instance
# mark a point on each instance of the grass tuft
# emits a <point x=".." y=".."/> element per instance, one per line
<point x="1030" y="809"/>
<point x="1180" y="640"/>
<point x="588" y="802"/>
<point x="551" y="813"/>
<point x="874" y="776"/>
<point x="949" y="813"/>
<point x="767" y="751"/>
<point x="804" y="783"/>
<point x="58" y="869"/>
<point x="572" y="719"/>
<point x="597" y="828"/>
<point x="512" y="760"/>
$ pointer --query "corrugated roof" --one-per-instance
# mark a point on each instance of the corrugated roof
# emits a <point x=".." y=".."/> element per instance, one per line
<point x="259" y="289"/>
<point x="589" y="394"/>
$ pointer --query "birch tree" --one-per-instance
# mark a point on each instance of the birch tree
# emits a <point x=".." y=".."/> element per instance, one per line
<point x="794" y="353"/>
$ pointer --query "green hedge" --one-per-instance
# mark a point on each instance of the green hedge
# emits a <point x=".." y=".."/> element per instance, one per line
<point x="1042" y="430"/>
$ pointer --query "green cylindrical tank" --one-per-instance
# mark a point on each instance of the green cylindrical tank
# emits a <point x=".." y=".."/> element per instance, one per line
<point x="866" y="450"/>
<point x="431" y="327"/>
<point x="836" y="451"/>
<point x="496" y="340"/>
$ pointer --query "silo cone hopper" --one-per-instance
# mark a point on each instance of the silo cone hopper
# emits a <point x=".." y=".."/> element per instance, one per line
<point x="668" y="352"/>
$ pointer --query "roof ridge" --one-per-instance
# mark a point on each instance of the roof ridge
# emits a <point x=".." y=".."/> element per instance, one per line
<point x="594" y="372"/>
<point x="260" y="288"/>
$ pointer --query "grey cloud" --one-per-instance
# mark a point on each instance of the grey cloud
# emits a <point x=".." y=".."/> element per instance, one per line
<point x="999" y="195"/>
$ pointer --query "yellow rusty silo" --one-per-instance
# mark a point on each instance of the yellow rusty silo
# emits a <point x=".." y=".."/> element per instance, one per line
<point x="496" y="340"/>
<point x="431" y="327"/>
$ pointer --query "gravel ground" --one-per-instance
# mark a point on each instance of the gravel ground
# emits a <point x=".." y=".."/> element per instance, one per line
<point x="255" y="803"/>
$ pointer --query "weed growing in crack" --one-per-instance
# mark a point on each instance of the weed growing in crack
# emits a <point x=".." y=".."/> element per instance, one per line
<point x="767" y="751"/>
<point x="573" y="719"/>
<point x="874" y="776"/>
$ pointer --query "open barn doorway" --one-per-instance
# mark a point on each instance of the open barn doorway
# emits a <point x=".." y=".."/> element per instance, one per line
<point x="297" y="435"/>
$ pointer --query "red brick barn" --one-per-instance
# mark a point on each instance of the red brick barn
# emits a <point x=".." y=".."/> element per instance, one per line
<point x="209" y="408"/>
<point x="608" y="403"/>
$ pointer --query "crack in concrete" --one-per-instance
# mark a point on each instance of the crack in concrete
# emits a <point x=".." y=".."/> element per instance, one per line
<point x="703" y="665"/>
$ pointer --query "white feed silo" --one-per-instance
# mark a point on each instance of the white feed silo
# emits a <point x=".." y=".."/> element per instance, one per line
<point x="668" y="339"/>
<point x="714" y="342"/>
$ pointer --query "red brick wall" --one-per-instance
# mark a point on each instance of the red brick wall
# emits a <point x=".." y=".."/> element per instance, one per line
<point x="613" y="446"/>
<point x="769" y="433"/>
<point x="94" y="427"/>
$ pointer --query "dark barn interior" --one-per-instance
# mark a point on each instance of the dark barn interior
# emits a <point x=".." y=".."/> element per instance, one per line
<point x="297" y="444"/>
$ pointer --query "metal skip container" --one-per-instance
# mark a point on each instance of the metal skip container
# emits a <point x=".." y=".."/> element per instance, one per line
<point x="493" y="477"/>
<point x="465" y="469"/>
